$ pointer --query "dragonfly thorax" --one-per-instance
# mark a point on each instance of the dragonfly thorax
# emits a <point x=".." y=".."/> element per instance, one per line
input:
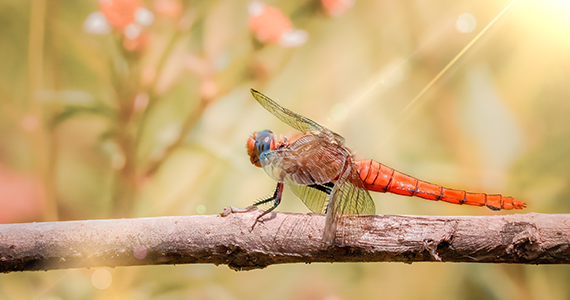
<point x="258" y="143"/>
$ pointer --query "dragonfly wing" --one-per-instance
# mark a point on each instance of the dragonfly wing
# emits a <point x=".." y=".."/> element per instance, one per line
<point x="348" y="197"/>
<point x="315" y="197"/>
<point x="291" y="118"/>
<point x="308" y="160"/>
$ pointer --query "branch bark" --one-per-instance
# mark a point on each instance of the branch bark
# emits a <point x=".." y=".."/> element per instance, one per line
<point x="283" y="238"/>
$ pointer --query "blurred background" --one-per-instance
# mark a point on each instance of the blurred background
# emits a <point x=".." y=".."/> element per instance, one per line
<point x="128" y="108"/>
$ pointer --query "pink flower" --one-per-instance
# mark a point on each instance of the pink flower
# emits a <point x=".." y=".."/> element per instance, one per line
<point x="22" y="197"/>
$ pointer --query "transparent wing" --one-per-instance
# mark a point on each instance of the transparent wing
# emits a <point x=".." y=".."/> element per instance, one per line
<point x="351" y="199"/>
<point x="348" y="197"/>
<point x="293" y="119"/>
<point x="314" y="197"/>
<point x="306" y="161"/>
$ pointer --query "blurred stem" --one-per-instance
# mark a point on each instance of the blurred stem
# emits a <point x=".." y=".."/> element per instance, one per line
<point x="127" y="86"/>
<point x="188" y="125"/>
<point x="50" y="176"/>
<point x="125" y="184"/>
<point x="129" y="134"/>
<point x="164" y="58"/>
<point x="152" y="93"/>
<point x="42" y="148"/>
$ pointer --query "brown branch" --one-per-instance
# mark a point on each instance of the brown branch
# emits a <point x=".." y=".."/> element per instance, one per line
<point x="282" y="238"/>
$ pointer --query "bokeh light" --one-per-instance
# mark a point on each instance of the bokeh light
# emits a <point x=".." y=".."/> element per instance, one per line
<point x="465" y="23"/>
<point x="101" y="279"/>
<point x="96" y="23"/>
<point x="339" y="112"/>
<point x="201" y="209"/>
<point x="140" y="252"/>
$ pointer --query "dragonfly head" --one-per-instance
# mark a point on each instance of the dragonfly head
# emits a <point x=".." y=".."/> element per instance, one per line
<point x="258" y="143"/>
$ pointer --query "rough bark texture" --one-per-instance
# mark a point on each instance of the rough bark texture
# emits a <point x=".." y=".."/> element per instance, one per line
<point x="283" y="238"/>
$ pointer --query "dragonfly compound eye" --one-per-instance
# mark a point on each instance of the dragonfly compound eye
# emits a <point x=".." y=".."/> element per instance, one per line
<point x="264" y="141"/>
<point x="258" y="143"/>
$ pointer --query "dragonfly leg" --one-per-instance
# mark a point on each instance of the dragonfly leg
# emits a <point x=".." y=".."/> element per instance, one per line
<point x="235" y="210"/>
<point x="276" y="198"/>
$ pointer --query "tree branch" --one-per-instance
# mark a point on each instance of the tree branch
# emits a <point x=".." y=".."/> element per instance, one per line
<point x="283" y="238"/>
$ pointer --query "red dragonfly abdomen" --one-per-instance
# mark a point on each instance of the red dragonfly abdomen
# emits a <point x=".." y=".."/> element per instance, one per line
<point x="379" y="178"/>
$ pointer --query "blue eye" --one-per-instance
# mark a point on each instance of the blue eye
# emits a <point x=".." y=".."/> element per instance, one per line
<point x="264" y="141"/>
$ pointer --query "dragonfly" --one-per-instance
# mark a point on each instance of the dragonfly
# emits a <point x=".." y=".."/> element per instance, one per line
<point x="324" y="174"/>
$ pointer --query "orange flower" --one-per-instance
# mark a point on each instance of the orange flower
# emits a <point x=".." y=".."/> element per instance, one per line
<point x="127" y="16"/>
<point x="271" y="25"/>
<point x="169" y="8"/>
<point x="268" y="22"/>
<point x="336" y="7"/>
<point x="137" y="43"/>
<point x="120" y="13"/>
